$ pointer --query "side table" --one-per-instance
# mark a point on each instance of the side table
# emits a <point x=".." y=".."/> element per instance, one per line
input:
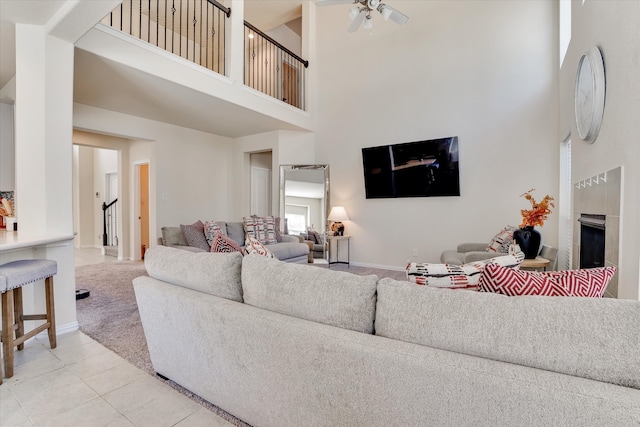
<point x="339" y="239"/>
<point x="536" y="264"/>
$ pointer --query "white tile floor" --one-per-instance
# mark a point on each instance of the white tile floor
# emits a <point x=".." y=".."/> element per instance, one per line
<point x="82" y="383"/>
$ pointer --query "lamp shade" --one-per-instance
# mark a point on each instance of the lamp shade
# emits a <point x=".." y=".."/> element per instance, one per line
<point x="338" y="214"/>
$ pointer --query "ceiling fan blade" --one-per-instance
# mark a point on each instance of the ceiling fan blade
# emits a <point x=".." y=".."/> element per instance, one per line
<point x="396" y="16"/>
<point x="333" y="2"/>
<point x="357" y="21"/>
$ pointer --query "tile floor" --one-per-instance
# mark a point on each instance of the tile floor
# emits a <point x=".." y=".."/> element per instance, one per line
<point x="82" y="383"/>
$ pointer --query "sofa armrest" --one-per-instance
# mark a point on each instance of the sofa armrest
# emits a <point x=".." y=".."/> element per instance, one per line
<point x="480" y="256"/>
<point x="472" y="247"/>
<point x="292" y="239"/>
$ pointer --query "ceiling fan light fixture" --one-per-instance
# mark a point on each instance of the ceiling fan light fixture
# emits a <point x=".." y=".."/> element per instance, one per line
<point x="353" y="13"/>
<point x="386" y="12"/>
<point x="368" y="23"/>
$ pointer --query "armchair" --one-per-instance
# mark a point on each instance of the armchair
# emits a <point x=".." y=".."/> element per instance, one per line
<point x="316" y="244"/>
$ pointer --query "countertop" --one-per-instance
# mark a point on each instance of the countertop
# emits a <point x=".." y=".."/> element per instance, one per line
<point x="12" y="240"/>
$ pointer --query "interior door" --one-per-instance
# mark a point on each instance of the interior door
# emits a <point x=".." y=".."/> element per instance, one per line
<point x="144" y="207"/>
<point x="290" y="82"/>
<point x="260" y="191"/>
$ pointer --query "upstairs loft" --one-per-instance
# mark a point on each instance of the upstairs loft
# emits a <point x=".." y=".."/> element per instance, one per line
<point x="194" y="63"/>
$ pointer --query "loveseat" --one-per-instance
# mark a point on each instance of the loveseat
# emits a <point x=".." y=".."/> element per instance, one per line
<point x="279" y="344"/>
<point x="290" y="249"/>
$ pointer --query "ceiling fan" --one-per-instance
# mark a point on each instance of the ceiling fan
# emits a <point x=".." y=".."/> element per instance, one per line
<point x="363" y="12"/>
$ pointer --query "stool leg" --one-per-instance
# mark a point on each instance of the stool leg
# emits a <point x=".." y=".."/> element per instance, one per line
<point x="51" y="311"/>
<point x="7" y="332"/>
<point x="18" y="316"/>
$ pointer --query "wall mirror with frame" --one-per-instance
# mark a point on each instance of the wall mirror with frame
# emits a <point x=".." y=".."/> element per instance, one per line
<point x="304" y="197"/>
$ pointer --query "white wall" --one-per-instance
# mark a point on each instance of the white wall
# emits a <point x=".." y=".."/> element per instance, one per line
<point x="612" y="26"/>
<point x="484" y="71"/>
<point x="190" y="171"/>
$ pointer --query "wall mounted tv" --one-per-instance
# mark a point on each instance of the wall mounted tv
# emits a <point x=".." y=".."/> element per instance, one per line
<point x="413" y="169"/>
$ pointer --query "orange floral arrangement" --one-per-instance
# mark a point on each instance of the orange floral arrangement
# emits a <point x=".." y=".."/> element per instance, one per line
<point x="539" y="211"/>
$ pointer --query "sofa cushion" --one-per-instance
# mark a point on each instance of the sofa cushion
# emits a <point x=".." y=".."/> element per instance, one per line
<point x="603" y="343"/>
<point x="332" y="297"/>
<point x="253" y="246"/>
<point x="217" y="274"/>
<point x="590" y="282"/>
<point x="173" y="236"/>
<point x="466" y="276"/>
<point x="501" y="241"/>
<point x="235" y="230"/>
<point x="194" y="235"/>
<point x="225" y="244"/>
<point x="287" y="250"/>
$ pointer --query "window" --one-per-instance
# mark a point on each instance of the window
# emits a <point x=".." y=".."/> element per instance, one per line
<point x="297" y="217"/>
<point x="565" y="27"/>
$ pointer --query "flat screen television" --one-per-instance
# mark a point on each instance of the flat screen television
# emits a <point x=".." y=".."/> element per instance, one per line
<point x="426" y="168"/>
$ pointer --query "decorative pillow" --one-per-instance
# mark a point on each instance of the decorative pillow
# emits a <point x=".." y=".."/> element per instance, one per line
<point x="314" y="236"/>
<point x="502" y="240"/>
<point x="278" y="235"/>
<point x="586" y="282"/>
<point x="580" y="283"/>
<point x="194" y="235"/>
<point x="262" y="229"/>
<point x="253" y="246"/>
<point x="466" y="276"/>
<point x="224" y="243"/>
<point x="211" y="229"/>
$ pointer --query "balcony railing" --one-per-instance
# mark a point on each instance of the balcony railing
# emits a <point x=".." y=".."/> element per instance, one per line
<point x="192" y="29"/>
<point x="196" y="30"/>
<point x="273" y="69"/>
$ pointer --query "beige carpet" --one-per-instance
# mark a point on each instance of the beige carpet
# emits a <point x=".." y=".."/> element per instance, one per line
<point x="110" y="314"/>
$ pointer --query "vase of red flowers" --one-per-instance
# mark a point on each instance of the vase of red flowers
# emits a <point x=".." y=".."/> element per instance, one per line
<point x="527" y="237"/>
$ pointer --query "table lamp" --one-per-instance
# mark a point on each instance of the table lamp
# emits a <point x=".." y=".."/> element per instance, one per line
<point x="337" y="215"/>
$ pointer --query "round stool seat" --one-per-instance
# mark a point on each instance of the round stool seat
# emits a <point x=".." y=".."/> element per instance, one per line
<point x="19" y="273"/>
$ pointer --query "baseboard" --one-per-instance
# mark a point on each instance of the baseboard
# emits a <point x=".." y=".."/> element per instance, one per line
<point x="380" y="266"/>
<point x="60" y="330"/>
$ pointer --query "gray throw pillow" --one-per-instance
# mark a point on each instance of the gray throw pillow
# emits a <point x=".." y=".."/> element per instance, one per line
<point x="194" y="235"/>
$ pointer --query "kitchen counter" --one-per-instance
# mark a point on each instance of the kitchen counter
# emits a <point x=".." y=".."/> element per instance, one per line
<point x="15" y="240"/>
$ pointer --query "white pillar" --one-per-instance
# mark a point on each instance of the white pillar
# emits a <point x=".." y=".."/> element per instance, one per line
<point x="43" y="132"/>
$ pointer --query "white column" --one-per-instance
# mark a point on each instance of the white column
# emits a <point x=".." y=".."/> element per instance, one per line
<point x="43" y="133"/>
<point x="235" y="49"/>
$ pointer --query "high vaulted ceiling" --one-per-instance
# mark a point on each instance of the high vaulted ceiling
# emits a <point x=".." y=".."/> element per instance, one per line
<point x="105" y="84"/>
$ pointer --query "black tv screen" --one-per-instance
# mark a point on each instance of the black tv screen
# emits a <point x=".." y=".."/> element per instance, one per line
<point x="413" y="169"/>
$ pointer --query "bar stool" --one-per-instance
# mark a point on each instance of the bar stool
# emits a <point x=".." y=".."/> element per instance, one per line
<point x="13" y="276"/>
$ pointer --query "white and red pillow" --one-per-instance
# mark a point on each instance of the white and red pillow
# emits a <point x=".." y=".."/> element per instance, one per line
<point x="590" y="282"/>
<point x="502" y="241"/>
<point x="466" y="276"/>
<point x="211" y="229"/>
<point x="262" y="229"/>
<point x="224" y="243"/>
<point x="253" y="246"/>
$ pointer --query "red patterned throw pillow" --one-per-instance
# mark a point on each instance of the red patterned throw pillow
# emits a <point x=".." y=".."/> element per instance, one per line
<point x="223" y="243"/>
<point x="580" y="283"/>
<point x="253" y="246"/>
<point x="211" y="229"/>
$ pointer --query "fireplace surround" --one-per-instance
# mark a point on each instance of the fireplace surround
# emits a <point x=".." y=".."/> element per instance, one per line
<point x="596" y="219"/>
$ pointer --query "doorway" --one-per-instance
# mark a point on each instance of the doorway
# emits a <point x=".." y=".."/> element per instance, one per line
<point x="290" y="84"/>
<point x="142" y="207"/>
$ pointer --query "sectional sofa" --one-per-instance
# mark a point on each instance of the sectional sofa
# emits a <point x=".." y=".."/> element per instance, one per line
<point x="291" y="249"/>
<point x="279" y="344"/>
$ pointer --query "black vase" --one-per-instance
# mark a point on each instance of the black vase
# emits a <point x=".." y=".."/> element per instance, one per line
<point x="529" y="240"/>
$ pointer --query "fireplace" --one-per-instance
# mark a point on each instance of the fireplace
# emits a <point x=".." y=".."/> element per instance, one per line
<point x="596" y="223"/>
<point x="592" y="240"/>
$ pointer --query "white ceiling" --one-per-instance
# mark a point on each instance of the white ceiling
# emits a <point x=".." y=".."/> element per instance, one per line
<point x="311" y="190"/>
<point x="112" y="86"/>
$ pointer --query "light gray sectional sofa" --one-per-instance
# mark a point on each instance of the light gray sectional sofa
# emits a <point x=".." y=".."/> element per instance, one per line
<point x="291" y="249"/>
<point x="279" y="344"/>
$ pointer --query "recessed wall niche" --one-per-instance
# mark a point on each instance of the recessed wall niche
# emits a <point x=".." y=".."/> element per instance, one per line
<point x="600" y="195"/>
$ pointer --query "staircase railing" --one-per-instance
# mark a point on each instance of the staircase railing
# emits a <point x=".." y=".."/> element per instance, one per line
<point x="272" y="69"/>
<point x="192" y="29"/>
<point x="109" y="224"/>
